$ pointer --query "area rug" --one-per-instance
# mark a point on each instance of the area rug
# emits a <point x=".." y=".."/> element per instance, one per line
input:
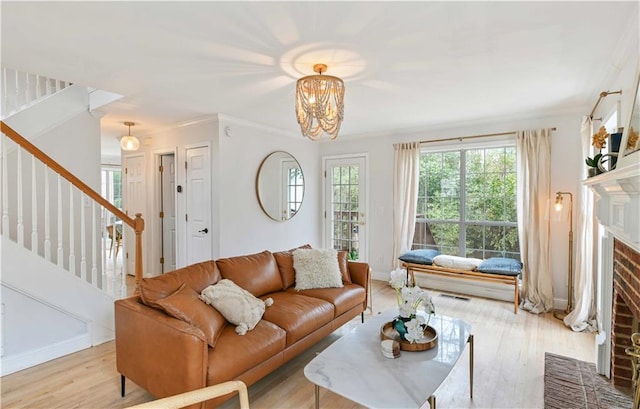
<point x="569" y="384"/>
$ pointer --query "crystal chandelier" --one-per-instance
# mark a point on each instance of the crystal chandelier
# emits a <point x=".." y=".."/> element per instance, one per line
<point x="320" y="104"/>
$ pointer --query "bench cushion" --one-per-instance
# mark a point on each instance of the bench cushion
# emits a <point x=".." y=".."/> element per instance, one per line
<point x="456" y="262"/>
<point x="421" y="256"/>
<point x="501" y="266"/>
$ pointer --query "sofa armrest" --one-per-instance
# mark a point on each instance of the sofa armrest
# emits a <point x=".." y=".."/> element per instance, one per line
<point x="159" y="353"/>
<point x="360" y="274"/>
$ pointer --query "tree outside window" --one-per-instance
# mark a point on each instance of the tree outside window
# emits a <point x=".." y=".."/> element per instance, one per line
<point x="467" y="203"/>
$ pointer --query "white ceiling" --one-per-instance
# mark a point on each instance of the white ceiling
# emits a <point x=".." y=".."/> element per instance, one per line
<point x="406" y="65"/>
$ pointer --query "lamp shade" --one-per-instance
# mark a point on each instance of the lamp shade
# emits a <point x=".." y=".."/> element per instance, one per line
<point x="320" y="104"/>
<point x="129" y="143"/>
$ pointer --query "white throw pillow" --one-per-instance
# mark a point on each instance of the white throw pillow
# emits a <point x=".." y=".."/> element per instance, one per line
<point x="237" y="305"/>
<point x="316" y="268"/>
<point x="459" y="263"/>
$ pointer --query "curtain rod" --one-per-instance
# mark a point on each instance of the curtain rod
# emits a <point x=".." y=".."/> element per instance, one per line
<point x="603" y="94"/>
<point x="460" y="138"/>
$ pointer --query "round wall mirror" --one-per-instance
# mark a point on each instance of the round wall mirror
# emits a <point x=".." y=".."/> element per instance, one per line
<point x="280" y="186"/>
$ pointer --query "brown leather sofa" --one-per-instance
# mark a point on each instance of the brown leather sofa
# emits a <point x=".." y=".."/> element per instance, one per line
<point x="167" y="356"/>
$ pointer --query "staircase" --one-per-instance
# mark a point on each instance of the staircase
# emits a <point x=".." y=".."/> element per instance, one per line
<point x="57" y="292"/>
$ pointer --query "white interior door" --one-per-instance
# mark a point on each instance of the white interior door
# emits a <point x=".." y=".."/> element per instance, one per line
<point x="198" y="205"/>
<point x="133" y="202"/>
<point x="168" y="212"/>
<point x="345" y="221"/>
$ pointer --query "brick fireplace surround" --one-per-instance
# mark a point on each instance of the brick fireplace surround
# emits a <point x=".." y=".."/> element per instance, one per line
<point x="626" y="310"/>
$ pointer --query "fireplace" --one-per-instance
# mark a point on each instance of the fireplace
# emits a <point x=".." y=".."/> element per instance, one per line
<point x="617" y="208"/>
<point x="626" y="310"/>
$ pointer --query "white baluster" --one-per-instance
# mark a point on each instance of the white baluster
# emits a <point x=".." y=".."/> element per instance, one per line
<point x="5" y="194"/>
<point x="48" y="87"/>
<point x="60" y="248"/>
<point x="72" y="233"/>
<point x="34" y="207"/>
<point x="17" y="103"/>
<point x="19" y="197"/>
<point x="5" y="92"/>
<point x="103" y="239"/>
<point x="47" y="216"/>
<point x="27" y="89"/>
<point x="94" y="253"/>
<point x="38" y="90"/>
<point x="83" y="239"/>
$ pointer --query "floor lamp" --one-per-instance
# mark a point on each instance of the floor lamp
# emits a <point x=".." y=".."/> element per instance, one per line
<point x="558" y="208"/>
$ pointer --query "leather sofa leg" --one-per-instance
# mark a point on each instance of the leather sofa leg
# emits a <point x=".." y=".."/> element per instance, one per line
<point x="361" y="318"/>
<point x="122" y="381"/>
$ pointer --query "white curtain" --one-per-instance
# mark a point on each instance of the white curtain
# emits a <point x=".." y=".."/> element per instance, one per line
<point x="533" y="161"/>
<point x="406" y="173"/>
<point x="583" y="316"/>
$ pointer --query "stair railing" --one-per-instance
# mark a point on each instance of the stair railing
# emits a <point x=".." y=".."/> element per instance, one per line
<point x="137" y="223"/>
<point x="21" y="89"/>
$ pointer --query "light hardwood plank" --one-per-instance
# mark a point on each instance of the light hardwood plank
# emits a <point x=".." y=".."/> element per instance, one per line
<point x="509" y="366"/>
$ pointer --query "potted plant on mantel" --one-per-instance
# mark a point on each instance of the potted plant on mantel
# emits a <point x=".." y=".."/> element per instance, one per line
<point x="599" y="141"/>
<point x="592" y="165"/>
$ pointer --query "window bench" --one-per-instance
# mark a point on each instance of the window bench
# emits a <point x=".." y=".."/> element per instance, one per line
<point x="506" y="277"/>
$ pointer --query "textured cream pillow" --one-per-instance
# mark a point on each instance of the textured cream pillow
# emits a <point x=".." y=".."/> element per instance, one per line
<point x="316" y="268"/>
<point x="236" y="304"/>
<point x="459" y="263"/>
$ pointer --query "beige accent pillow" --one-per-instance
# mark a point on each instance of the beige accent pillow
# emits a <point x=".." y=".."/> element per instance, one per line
<point x="236" y="304"/>
<point x="316" y="268"/>
<point x="456" y="262"/>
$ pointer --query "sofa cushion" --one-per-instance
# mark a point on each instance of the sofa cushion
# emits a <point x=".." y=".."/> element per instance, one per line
<point x="236" y="304"/>
<point x="284" y="259"/>
<point x="501" y="266"/>
<point x="297" y="314"/>
<point x="343" y="299"/>
<point x="456" y="262"/>
<point x="235" y="355"/>
<point x="316" y="268"/>
<point x="185" y="305"/>
<point x="257" y="273"/>
<point x="197" y="276"/>
<point x="420" y="256"/>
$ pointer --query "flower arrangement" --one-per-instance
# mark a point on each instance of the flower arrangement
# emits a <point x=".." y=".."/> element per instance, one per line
<point x="408" y="323"/>
<point x="599" y="139"/>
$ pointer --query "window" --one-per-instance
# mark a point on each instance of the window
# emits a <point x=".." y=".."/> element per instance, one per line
<point x="295" y="188"/>
<point x="467" y="203"/>
<point x="112" y="185"/>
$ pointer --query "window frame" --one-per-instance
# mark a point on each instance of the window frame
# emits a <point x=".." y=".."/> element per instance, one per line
<point x="462" y="223"/>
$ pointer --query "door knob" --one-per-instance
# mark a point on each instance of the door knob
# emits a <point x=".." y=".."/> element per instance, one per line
<point x="205" y="230"/>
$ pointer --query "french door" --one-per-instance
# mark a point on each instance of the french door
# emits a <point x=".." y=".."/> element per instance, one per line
<point x="345" y="205"/>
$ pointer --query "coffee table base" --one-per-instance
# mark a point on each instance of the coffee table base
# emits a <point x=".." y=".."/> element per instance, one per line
<point x="432" y="398"/>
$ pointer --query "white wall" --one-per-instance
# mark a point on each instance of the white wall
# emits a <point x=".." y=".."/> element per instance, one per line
<point x="244" y="227"/>
<point x="566" y="171"/>
<point x="239" y="226"/>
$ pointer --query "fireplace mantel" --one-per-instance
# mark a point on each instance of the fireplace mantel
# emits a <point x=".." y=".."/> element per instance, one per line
<point x="617" y="208"/>
<point x="618" y="203"/>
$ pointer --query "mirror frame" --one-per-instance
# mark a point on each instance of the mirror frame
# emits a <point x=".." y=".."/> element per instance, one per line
<point x="258" y="179"/>
<point x="626" y="157"/>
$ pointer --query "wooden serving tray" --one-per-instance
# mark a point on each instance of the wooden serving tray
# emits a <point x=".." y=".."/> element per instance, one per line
<point x="430" y="337"/>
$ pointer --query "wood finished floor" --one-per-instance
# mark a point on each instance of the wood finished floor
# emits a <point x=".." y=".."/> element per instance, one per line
<point x="509" y="366"/>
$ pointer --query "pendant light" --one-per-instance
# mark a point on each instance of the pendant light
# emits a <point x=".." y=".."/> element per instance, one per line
<point x="129" y="143"/>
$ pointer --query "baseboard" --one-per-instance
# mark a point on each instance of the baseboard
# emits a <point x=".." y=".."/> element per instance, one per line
<point x="18" y="362"/>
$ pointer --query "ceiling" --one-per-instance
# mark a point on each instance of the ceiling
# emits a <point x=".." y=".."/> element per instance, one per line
<point x="406" y="65"/>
